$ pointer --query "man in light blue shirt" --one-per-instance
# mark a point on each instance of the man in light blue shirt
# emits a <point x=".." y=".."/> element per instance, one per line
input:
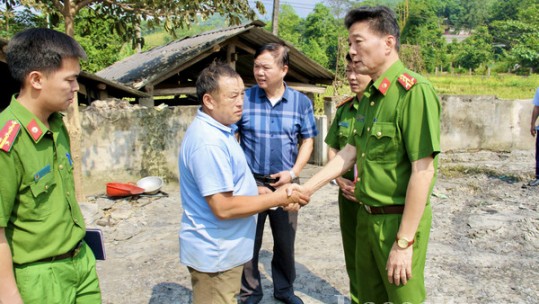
<point x="533" y="130"/>
<point x="218" y="191"/>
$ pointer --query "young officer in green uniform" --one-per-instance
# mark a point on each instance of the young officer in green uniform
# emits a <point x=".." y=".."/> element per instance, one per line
<point x="395" y="145"/>
<point x="42" y="256"/>
<point x="340" y="130"/>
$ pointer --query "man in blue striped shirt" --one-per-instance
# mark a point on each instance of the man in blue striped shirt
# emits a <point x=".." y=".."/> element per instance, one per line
<point x="277" y="133"/>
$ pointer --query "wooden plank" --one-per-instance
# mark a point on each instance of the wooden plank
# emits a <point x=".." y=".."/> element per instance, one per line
<point x="175" y="91"/>
<point x="320" y="152"/>
<point x="304" y="87"/>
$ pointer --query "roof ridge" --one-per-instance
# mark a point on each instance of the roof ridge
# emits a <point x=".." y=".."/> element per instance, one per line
<point x="230" y="28"/>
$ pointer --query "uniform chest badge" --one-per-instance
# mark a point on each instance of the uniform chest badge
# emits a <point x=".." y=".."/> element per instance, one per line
<point x="407" y="81"/>
<point x="39" y="174"/>
<point x="8" y="134"/>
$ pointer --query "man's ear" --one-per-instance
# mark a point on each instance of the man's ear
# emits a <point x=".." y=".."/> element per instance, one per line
<point x="208" y="101"/>
<point x="390" y="43"/>
<point x="35" y="79"/>
<point x="285" y="69"/>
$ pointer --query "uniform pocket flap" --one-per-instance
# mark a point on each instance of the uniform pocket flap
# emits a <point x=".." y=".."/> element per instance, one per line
<point x="380" y="130"/>
<point x="43" y="185"/>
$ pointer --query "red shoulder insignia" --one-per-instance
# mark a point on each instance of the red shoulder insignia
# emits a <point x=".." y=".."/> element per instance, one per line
<point x="384" y="86"/>
<point x="35" y="130"/>
<point x="342" y="102"/>
<point x="407" y="81"/>
<point x="8" y="134"/>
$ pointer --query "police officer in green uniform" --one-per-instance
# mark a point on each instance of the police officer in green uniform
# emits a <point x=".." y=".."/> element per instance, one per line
<point x="340" y="130"/>
<point x="395" y="145"/>
<point x="42" y="256"/>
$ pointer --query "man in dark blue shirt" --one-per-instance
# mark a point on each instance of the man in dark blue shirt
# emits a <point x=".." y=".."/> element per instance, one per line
<point x="276" y="120"/>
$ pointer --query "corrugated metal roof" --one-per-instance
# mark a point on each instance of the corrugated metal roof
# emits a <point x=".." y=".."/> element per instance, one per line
<point x="115" y="89"/>
<point x="152" y="66"/>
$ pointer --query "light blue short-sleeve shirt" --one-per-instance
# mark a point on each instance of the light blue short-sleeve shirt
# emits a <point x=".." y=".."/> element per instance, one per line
<point x="536" y="98"/>
<point x="211" y="161"/>
<point x="536" y="102"/>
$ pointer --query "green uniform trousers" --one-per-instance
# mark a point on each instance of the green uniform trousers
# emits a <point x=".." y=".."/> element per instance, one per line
<point x="66" y="281"/>
<point x="375" y="237"/>
<point x="348" y="221"/>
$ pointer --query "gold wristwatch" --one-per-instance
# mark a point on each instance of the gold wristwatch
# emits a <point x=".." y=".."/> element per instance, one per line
<point x="404" y="242"/>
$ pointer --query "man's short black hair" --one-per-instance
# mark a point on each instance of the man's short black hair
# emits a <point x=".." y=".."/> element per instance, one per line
<point x="208" y="80"/>
<point x="381" y="19"/>
<point x="40" y="49"/>
<point x="279" y="51"/>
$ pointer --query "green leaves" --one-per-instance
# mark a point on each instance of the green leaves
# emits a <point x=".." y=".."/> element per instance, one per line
<point x="172" y="14"/>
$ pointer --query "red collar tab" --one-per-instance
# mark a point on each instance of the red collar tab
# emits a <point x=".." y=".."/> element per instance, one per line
<point x="384" y="86"/>
<point x="342" y="102"/>
<point x="35" y="130"/>
<point x="407" y="81"/>
<point x="8" y="134"/>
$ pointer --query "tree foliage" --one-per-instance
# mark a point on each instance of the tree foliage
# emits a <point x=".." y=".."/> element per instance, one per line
<point x="12" y="21"/>
<point x="322" y="31"/>
<point x="476" y="50"/>
<point x="423" y="29"/>
<point x="503" y="33"/>
<point x="102" y="45"/>
<point x="127" y="14"/>
<point x="290" y="25"/>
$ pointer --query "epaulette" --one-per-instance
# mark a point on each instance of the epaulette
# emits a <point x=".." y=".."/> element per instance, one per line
<point x="407" y="81"/>
<point x="344" y="101"/>
<point x="8" y="134"/>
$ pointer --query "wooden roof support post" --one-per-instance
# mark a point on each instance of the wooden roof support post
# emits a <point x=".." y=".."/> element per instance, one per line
<point x="75" y="136"/>
<point x="231" y="55"/>
<point x="329" y="108"/>
<point x="148" y="101"/>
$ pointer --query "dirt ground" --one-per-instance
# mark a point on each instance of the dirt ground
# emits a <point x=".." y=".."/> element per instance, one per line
<point x="484" y="244"/>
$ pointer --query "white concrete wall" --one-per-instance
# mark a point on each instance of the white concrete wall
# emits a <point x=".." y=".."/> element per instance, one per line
<point x="125" y="143"/>
<point x="485" y="123"/>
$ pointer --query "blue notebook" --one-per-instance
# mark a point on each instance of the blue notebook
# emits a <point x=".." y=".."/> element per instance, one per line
<point x="94" y="239"/>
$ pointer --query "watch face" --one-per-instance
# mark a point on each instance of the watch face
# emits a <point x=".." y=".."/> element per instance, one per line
<point x="402" y="243"/>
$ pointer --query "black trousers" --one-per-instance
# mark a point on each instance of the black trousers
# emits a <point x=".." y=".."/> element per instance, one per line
<point x="283" y="271"/>
<point x="537" y="156"/>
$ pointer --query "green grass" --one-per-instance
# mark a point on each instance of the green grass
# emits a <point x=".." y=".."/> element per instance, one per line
<point x="503" y="86"/>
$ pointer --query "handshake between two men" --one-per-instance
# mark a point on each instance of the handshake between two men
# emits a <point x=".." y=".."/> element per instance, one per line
<point x="296" y="196"/>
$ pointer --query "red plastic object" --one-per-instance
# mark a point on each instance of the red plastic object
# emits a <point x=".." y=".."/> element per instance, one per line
<point x="123" y="189"/>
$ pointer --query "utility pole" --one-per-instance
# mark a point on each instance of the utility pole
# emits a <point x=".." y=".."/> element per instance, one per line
<point x="275" y="18"/>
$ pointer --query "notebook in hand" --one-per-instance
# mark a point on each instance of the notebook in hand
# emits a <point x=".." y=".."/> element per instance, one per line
<point x="94" y="239"/>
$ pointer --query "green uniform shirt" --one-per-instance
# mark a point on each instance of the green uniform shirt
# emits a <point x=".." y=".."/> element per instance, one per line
<point x="342" y="127"/>
<point x="38" y="210"/>
<point x="398" y="123"/>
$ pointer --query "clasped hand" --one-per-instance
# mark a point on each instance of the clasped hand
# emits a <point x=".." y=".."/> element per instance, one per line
<point x="297" y="196"/>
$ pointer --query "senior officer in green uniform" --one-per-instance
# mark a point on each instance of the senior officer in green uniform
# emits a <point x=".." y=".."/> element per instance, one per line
<point x="42" y="256"/>
<point x="340" y="130"/>
<point x="395" y="144"/>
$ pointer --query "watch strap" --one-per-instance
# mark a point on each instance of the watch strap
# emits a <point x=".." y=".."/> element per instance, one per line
<point x="409" y="242"/>
<point x="292" y="174"/>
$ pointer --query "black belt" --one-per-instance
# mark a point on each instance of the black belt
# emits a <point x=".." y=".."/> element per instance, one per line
<point x="395" y="209"/>
<point x="266" y="179"/>
<point x="71" y="253"/>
